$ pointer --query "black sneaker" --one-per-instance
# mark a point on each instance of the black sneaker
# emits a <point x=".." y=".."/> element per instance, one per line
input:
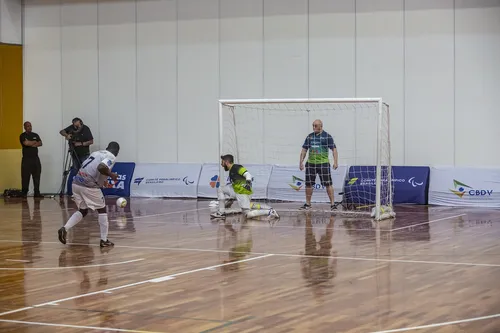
<point x="62" y="235"/>
<point x="305" y="207"/>
<point x="106" y="243"/>
<point x="334" y="206"/>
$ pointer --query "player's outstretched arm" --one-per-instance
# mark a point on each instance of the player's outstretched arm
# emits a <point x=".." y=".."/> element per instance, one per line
<point x="104" y="170"/>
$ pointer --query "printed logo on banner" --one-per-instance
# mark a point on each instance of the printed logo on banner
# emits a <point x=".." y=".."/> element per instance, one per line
<point x="460" y="190"/>
<point x="186" y="181"/>
<point x="297" y="183"/>
<point x="119" y="184"/>
<point x="215" y="183"/>
<point x="159" y="180"/>
<point x="414" y="183"/>
<point x="372" y="181"/>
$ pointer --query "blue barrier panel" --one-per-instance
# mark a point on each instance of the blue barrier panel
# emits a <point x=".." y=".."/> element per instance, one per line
<point x="125" y="170"/>
<point x="410" y="185"/>
<point x="69" y="182"/>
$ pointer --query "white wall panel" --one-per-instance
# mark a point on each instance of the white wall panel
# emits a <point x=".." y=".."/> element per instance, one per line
<point x="11" y="21"/>
<point x="429" y="82"/>
<point x="477" y="82"/>
<point x="241" y="49"/>
<point x="156" y="81"/>
<point x="332" y="69"/>
<point x="117" y="76"/>
<point x="332" y="48"/>
<point x="42" y="87"/>
<point x="80" y="65"/>
<point x="286" y="49"/>
<point x="198" y="80"/>
<point x="380" y="69"/>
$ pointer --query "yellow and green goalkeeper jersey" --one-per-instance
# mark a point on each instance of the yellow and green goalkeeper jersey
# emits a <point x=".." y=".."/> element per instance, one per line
<point x="318" y="145"/>
<point x="237" y="179"/>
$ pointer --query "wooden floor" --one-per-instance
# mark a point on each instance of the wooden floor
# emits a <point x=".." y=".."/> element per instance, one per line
<point x="173" y="270"/>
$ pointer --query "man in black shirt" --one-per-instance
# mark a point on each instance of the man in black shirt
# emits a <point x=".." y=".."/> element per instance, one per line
<point x="79" y="138"/>
<point x="30" y="164"/>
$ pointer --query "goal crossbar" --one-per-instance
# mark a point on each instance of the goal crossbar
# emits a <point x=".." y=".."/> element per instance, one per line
<point x="300" y="100"/>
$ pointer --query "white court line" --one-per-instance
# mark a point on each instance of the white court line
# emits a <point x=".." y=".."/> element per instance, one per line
<point x="439" y="324"/>
<point x="162" y="214"/>
<point x="428" y="222"/>
<point x="17" y="260"/>
<point x="67" y="267"/>
<point x="280" y="254"/>
<point x="169" y="277"/>
<point x="155" y="280"/>
<point x="75" y="326"/>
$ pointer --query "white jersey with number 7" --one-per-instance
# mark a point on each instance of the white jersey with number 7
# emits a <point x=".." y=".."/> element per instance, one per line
<point x="88" y="175"/>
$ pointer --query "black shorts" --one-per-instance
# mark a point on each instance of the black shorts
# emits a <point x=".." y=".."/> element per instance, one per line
<point x="324" y="172"/>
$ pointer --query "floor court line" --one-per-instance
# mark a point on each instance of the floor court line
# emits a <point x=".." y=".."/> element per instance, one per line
<point x="407" y="261"/>
<point x="455" y="322"/>
<point x="109" y="329"/>
<point x="428" y="222"/>
<point x="163" y="214"/>
<point x="155" y="280"/>
<point x="67" y="267"/>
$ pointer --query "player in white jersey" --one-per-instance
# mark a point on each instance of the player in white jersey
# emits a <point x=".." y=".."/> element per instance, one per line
<point x="87" y="190"/>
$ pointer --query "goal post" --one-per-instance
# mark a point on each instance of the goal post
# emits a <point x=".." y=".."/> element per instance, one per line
<point x="273" y="131"/>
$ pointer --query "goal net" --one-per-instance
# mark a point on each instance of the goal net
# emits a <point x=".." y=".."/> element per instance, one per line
<point x="274" y="132"/>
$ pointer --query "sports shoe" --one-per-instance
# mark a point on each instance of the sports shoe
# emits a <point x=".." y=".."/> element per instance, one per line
<point x="218" y="215"/>
<point x="62" y="235"/>
<point x="334" y="206"/>
<point x="305" y="207"/>
<point x="106" y="243"/>
<point x="273" y="214"/>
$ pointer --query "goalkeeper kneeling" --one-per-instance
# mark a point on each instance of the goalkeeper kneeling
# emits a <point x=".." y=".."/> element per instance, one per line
<point x="241" y="190"/>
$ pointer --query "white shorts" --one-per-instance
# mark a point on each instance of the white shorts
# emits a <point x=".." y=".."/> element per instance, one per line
<point x="88" y="197"/>
<point x="227" y="192"/>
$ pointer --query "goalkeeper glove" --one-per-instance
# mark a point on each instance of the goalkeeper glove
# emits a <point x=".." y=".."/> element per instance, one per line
<point x="248" y="185"/>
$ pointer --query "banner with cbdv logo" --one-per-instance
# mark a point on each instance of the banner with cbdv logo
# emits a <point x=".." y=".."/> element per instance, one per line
<point x="121" y="188"/>
<point x="165" y="180"/>
<point x="465" y="187"/>
<point x="410" y="184"/>
<point x="209" y="180"/>
<point x="287" y="183"/>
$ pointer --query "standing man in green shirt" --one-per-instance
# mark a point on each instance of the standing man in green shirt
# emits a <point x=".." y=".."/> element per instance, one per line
<point x="318" y="144"/>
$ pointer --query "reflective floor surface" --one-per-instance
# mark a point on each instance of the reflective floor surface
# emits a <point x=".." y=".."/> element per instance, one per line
<point x="172" y="269"/>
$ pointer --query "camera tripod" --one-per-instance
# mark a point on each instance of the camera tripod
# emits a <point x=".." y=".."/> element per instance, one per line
<point x="68" y="165"/>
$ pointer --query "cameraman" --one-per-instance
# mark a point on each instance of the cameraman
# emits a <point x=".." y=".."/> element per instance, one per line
<point x="79" y="139"/>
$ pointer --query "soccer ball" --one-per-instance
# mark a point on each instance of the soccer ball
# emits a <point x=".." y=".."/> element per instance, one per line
<point x="121" y="202"/>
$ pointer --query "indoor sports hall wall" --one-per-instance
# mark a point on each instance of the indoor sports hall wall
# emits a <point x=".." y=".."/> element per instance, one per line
<point x="148" y="73"/>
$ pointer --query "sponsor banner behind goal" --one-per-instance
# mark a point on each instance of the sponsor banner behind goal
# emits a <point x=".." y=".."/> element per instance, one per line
<point x="287" y="183"/>
<point x="170" y="180"/>
<point x="209" y="180"/>
<point x="410" y="184"/>
<point x="121" y="188"/>
<point x="464" y="187"/>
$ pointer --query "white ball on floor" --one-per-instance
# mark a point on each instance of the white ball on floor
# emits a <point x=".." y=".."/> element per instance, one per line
<point x="121" y="202"/>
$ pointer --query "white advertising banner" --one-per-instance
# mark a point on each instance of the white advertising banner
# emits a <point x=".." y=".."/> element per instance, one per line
<point x="169" y="180"/>
<point x="288" y="183"/>
<point x="209" y="180"/>
<point x="464" y="187"/>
